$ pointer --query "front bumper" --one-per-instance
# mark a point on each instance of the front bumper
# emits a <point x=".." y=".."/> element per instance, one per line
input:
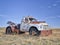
<point x="46" y="32"/>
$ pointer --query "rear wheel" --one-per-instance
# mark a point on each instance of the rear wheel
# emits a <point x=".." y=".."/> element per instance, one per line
<point x="8" y="30"/>
<point x="34" y="31"/>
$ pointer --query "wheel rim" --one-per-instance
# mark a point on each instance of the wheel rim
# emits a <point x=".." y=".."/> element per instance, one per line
<point x="33" y="32"/>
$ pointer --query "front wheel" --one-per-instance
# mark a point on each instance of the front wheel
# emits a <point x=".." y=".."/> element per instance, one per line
<point x="34" y="31"/>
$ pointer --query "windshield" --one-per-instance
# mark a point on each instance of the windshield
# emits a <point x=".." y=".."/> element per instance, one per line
<point x="32" y="19"/>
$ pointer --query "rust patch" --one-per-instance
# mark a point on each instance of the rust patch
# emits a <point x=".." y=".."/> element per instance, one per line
<point x="37" y="22"/>
<point x="46" y="32"/>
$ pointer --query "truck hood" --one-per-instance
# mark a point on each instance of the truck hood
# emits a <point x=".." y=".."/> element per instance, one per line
<point x="38" y="22"/>
<point x="35" y="22"/>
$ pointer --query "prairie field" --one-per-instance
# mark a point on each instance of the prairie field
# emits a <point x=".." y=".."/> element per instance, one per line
<point x="26" y="39"/>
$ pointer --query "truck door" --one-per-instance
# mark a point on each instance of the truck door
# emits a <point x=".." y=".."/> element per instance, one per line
<point x="24" y="25"/>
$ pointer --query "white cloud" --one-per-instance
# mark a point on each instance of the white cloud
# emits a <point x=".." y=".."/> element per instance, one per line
<point x="59" y="16"/>
<point x="53" y="17"/>
<point x="58" y="1"/>
<point x="2" y="15"/>
<point x="54" y="5"/>
<point x="49" y="7"/>
<point x="7" y="16"/>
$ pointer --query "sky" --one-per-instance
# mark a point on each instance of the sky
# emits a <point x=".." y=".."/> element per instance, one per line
<point x="43" y="10"/>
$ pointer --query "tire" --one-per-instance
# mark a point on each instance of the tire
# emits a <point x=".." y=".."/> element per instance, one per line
<point x="8" y="30"/>
<point x="36" y="32"/>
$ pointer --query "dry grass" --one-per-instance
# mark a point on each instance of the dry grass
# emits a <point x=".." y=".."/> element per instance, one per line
<point x="26" y="39"/>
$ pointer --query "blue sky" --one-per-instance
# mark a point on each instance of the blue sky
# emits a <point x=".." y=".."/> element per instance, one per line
<point x="15" y="10"/>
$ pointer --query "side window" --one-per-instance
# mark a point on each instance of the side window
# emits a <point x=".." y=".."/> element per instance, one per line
<point x="26" y="20"/>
